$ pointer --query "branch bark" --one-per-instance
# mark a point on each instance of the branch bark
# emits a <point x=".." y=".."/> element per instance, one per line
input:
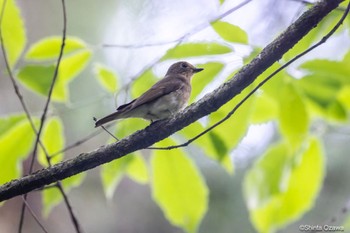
<point x="160" y="130"/>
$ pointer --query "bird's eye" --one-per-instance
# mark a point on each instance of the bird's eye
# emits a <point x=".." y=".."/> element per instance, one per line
<point x="184" y="65"/>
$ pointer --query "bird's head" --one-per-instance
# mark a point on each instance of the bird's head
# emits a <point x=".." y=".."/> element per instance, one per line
<point x="183" y="68"/>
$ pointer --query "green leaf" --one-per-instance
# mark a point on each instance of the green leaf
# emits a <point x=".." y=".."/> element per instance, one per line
<point x="16" y="142"/>
<point x="343" y="97"/>
<point x="233" y="129"/>
<point x="7" y="123"/>
<point x="346" y="58"/>
<point x="52" y="196"/>
<point x="195" y="50"/>
<point x="179" y="188"/>
<point x="272" y="168"/>
<point x="137" y="169"/>
<point x="324" y="85"/>
<point x="202" y="79"/>
<point x="272" y="87"/>
<point x="129" y="126"/>
<point x="132" y="165"/>
<point x="143" y="83"/>
<point x="320" y="89"/>
<point x="293" y="116"/>
<point x="219" y="144"/>
<point x="72" y="65"/>
<point x="53" y="140"/>
<point x="337" y="111"/>
<point x="38" y="79"/>
<point x="50" y="47"/>
<point x="265" y="109"/>
<point x="13" y="31"/>
<point x="208" y="145"/>
<point x="229" y="32"/>
<point x="313" y="36"/>
<point x="112" y="173"/>
<point x="334" y="71"/>
<point x="280" y="187"/>
<point x="325" y="96"/>
<point x="204" y="142"/>
<point x="106" y="77"/>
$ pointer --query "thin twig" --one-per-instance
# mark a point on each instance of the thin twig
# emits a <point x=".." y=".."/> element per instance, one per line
<point x="105" y="129"/>
<point x="305" y="2"/>
<point x="183" y="37"/>
<point x="49" y="95"/>
<point x="20" y="97"/>
<point x="9" y="70"/>
<point x="43" y="117"/>
<point x="323" y="40"/>
<point x="34" y="215"/>
<point x="69" y="207"/>
<point x="59" y="185"/>
<point x="178" y="41"/>
<point x="77" y="143"/>
<point x="112" y="135"/>
<point x="13" y="81"/>
<point x="156" y="132"/>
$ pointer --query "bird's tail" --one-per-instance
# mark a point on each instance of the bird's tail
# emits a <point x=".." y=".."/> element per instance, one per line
<point x="111" y="117"/>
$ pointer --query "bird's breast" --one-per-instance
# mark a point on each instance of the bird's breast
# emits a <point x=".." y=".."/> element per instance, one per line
<point x="169" y="104"/>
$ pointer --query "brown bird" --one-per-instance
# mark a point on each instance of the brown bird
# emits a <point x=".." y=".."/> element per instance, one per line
<point x="163" y="99"/>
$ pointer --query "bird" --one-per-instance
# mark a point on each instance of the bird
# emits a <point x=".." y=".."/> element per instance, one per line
<point x="165" y="98"/>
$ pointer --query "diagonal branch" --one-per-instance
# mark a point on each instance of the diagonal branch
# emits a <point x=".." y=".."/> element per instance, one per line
<point x="49" y="95"/>
<point x="322" y="41"/>
<point x="160" y="130"/>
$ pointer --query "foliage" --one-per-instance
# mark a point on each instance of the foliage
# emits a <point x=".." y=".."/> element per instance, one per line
<point x="283" y="179"/>
<point x="280" y="187"/>
<point x="38" y="78"/>
<point x="13" y="32"/>
<point x="179" y="188"/>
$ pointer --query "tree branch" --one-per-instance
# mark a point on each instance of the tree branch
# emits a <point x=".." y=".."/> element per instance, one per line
<point x="240" y="103"/>
<point x="162" y="129"/>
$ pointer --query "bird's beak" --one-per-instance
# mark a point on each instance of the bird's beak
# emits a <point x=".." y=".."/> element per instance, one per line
<point x="196" y="70"/>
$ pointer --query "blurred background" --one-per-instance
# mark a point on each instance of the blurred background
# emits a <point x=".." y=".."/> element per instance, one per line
<point x="139" y="22"/>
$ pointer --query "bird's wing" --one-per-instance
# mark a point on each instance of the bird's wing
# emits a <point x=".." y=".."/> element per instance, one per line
<point x="124" y="106"/>
<point x="161" y="88"/>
